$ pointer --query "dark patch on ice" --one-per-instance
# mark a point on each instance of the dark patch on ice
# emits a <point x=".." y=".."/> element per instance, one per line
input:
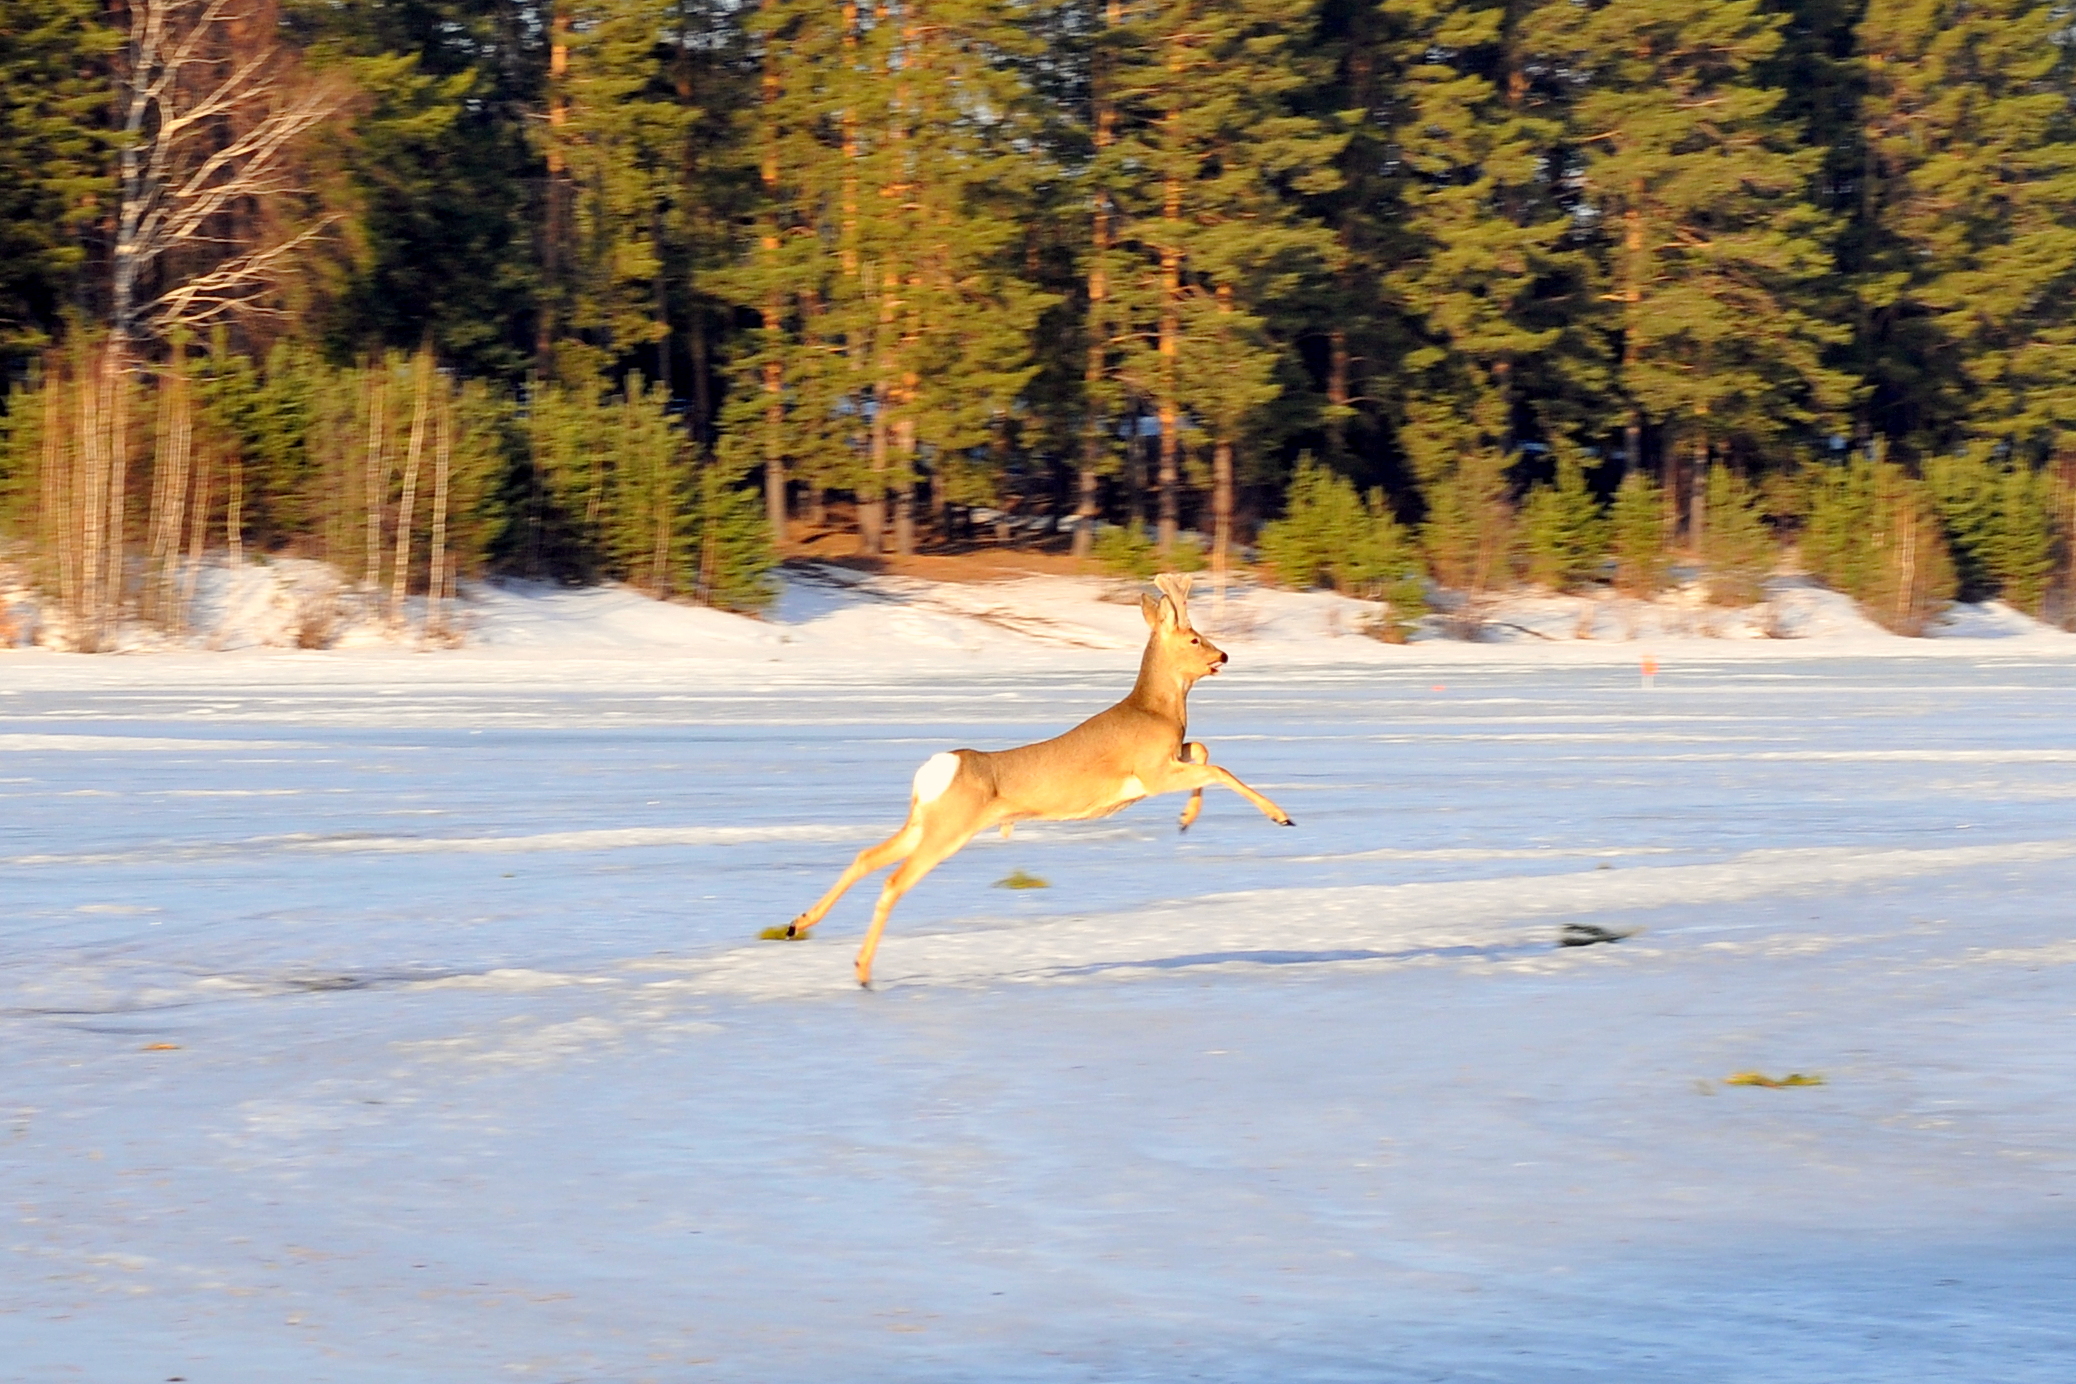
<point x="1587" y="934"/>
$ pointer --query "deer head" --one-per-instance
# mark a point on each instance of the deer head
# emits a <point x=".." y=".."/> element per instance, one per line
<point x="1175" y="644"/>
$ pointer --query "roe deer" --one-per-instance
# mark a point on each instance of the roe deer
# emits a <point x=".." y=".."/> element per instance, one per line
<point x="1110" y="761"/>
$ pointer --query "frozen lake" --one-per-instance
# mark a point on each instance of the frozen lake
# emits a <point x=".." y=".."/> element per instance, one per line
<point x="398" y="1018"/>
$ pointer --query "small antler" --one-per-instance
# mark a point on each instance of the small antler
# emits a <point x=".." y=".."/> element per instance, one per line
<point x="1175" y="586"/>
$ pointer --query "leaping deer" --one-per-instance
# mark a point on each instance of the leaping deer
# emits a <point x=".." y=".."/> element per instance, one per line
<point x="1110" y="761"/>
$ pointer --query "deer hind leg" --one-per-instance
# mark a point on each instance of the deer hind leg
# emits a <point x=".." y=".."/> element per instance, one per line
<point x="1194" y="753"/>
<point x="896" y="847"/>
<point x="942" y="839"/>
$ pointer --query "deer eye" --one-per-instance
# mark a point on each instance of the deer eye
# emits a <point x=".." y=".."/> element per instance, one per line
<point x="1194" y="640"/>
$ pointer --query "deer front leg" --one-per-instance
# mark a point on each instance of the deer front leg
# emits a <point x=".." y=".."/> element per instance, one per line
<point x="1191" y="776"/>
<point x="1194" y="753"/>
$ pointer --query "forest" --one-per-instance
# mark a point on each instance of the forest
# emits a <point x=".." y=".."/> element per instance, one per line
<point x="1421" y="299"/>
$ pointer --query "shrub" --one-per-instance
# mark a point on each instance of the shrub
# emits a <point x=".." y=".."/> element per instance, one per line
<point x="1564" y="535"/>
<point x="1737" y="549"/>
<point x="1125" y="550"/>
<point x="1469" y="523"/>
<point x="1331" y="536"/>
<point x="1999" y="522"/>
<point x="1874" y="533"/>
<point x="1636" y="533"/>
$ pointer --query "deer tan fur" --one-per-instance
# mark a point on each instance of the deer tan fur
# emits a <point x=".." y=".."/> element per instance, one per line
<point x="1134" y="750"/>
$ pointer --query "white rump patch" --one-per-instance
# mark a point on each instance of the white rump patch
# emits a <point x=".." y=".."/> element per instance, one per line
<point x="1134" y="789"/>
<point x="935" y="776"/>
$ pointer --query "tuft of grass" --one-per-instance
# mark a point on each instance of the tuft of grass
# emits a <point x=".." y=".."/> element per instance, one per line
<point x="1773" y="1082"/>
<point x="1017" y="879"/>
<point x="779" y="934"/>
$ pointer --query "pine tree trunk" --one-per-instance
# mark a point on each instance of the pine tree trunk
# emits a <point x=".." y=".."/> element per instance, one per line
<point x="443" y="456"/>
<point x="872" y="503"/>
<point x="904" y="495"/>
<point x="234" y="515"/>
<point x="56" y="480"/>
<point x="1221" y="512"/>
<point x="1169" y="407"/>
<point x="1697" y="504"/>
<point x="1085" y="513"/>
<point x="118" y="476"/>
<point x="702" y="398"/>
<point x="774" y="382"/>
<point x="662" y="292"/>
<point x="198" y="530"/>
<point x="554" y="232"/>
<point x="376" y="477"/>
<point x="421" y="402"/>
<point x="1337" y="393"/>
<point x="1098" y="322"/>
<point x="91" y="493"/>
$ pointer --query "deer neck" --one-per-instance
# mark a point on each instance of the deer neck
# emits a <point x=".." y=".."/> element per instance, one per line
<point x="1162" y="689"/>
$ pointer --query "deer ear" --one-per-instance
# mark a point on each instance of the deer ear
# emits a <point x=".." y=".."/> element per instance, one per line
<point x="1151" y="609"/>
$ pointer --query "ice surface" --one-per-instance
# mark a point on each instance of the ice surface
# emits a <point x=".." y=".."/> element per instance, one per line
<point x="391" y="1016"/>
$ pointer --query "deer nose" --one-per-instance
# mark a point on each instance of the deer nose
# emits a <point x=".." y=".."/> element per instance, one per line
<point x="1221" y="656"/>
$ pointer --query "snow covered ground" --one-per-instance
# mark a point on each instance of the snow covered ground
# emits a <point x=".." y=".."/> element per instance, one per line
<point x="379" y="1015"/>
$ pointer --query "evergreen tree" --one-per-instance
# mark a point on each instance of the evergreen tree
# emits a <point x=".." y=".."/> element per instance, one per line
<point x="1636" y="536"/>
<point x="1873" y="532"/>
<point x="1969" y="219"/>
<point x="1212" y="157"/>
<point x="53" y="157"/>
<point x="2000" y="522"/>
<point x="1564" y="535"/>
<point x="1487" y="278"/>
<point x="434" y="176"/>
<point x="1710" y="251"/>
<point x="619" y="141"/>
<point x="1736" y="548"/>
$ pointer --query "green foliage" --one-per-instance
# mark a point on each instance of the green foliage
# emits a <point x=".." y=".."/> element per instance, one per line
<point x="1126" y="550"/>
<point x="1874" y="533"/>
<point x="1737" y="549"/>
<point x="55" y="152"/>
<point x="1712" y="257"/>
<point x="1469" y="530"/>
<point x="1636" y="536"/>
<point x="2000" y="521"/>
<point x="1967" y="246"/>
<point x="730" y="544"/>
<point x="1330" y="535"/>
<point x="1564" y="535"/>
<point x="623" y="499"/>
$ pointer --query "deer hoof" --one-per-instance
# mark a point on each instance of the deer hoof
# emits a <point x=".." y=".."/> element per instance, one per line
<point x="1286" y="822"/>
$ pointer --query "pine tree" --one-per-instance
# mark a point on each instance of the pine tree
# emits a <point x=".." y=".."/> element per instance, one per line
<point x="1212" y="159"/>
<point x="1737" y="550"/>
<point x="1468" y="533"/>
<point x="1969" y="218"/>
<point x="1710" y="251"/>
<point x="1636" y="536"/>
<point x="54" y="156"/>
<point x="619" y="142"/>
<point x="1486" y="273"/>
<point x="1330" y="534"/>
<point x="1873" y="532"/>
<point x="1564" y="535"/>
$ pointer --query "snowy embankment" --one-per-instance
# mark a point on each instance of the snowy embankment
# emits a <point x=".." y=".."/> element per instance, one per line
<point x="393" y="1016"/>
<point x="835" y="618"/>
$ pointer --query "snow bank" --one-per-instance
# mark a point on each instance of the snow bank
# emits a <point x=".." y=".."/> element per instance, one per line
<point x="849" y="624"/>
